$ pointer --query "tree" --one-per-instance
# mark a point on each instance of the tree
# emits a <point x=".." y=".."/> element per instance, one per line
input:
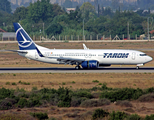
<point x="20" y="13"/>
<point x="40" y="10"/>
<point x="106" y="11"/>
<point x="5" y="6"/>
<point x="87" y="10"/>
<point x="43" y="11"/>
<point x="5" y="20"/>
<point x="54" y="29"/>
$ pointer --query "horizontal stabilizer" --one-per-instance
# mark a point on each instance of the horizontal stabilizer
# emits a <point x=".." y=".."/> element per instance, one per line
<point x="19" y="51"/>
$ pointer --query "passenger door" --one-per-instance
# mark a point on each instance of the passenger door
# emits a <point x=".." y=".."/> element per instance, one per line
<point x="133" y="55"/>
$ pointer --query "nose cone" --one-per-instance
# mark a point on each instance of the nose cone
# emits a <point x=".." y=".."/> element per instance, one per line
<point x="149" y="59"/>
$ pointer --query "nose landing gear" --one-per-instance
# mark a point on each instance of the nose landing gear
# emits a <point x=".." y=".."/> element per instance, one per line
<point x="137" y="67"/>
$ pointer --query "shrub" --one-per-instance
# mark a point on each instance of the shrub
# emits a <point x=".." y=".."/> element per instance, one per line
<point x="124" y="103"/>
<point x="7" y="103"/>
<point x="95" y="81"/>
<point x="23" y="94"/>
<point x="73" y="82"/>
<point x="99" y="113"/>
<point x="134" y="117"/>
<point x="33" y="102"/>
<point x="151" y="117"/>
<point x="40" y="115"/>
<point x="24" y="83"/>
<point x="100" y="84"/>
<point x="75" y="102"/>
<point x="122" y="94"/>
<point x="7" y="83"/>
<point x="14" y="83"/>
<point x="96" y="94"/>
<point x="22" y="102"/>
<point x="82" y="93"/>
<point x="6" y="93"/>
<point x="20" y="90"/>
<point x="146" y="98"/>
<point x="63" y="83"/>
<point x="34" y="88"/>
<point x="150" y="90"/>
<point x="54" y="99"/>
<point x="94" y="88"/>
<point x="117" y="115"/>
<point x="104" y="87"/>
<point x="65" y="97"/>
<point x="95" y="103"/>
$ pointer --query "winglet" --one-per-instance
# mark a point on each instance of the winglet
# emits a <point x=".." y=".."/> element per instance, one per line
<point x="85" y="47"/>
<point x="40" y="54"/>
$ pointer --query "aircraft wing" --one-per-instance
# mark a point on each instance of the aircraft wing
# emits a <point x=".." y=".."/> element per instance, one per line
<point x="71" y="61"/>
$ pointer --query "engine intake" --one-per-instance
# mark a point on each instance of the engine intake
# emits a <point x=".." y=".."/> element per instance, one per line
<point x="90" y="64"/>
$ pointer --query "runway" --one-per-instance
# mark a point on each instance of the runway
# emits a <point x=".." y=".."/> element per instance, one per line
<point x="72" y="70"/>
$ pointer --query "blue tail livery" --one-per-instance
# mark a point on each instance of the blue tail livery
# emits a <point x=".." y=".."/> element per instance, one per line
<point x="24" y="40"/>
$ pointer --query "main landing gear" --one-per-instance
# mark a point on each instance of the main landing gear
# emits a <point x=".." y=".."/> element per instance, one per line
<point x="137" y="67"/>
<point x="77" y="67"/>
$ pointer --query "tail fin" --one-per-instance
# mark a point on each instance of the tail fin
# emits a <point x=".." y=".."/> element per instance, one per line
<point x="24" y="40"/>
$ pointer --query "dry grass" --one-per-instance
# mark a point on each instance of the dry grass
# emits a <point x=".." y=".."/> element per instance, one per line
<point x="82" y="80"/>
<point x="147" y="98"/>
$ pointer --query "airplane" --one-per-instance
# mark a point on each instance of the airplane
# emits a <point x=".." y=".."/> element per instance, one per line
<point x="83" y="58"/>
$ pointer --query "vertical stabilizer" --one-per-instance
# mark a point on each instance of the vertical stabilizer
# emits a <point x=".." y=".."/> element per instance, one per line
<point x="24" y="40"/>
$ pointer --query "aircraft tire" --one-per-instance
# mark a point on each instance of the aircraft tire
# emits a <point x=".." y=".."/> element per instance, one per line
<point x="77" y="67"/>
<point x="137" y="67"/>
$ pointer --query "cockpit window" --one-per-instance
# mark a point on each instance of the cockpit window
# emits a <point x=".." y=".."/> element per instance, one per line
<point x="143" y="54"/>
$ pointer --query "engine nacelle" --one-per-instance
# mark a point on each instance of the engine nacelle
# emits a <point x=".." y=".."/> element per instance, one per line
<point x="90" y="64"/>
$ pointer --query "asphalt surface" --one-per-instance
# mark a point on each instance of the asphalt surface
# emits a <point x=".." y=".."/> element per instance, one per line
<point x="72" y="70"/>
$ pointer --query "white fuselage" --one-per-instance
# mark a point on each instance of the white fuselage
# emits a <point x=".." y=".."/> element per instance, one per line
<point x="103" y="56"/>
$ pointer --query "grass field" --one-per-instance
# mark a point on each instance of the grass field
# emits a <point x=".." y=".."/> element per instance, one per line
<point x="77" y="80"/>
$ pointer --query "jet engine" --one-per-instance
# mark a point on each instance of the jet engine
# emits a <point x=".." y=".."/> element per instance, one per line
<point x="90" y="64"/>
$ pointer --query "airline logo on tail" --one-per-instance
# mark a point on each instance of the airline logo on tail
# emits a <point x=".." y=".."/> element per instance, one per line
<point x="24" y="40"/>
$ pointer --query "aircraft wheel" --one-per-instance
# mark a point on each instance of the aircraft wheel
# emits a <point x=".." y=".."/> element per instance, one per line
<point x="137" y="67"/>
<point x="77" y="67"/>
